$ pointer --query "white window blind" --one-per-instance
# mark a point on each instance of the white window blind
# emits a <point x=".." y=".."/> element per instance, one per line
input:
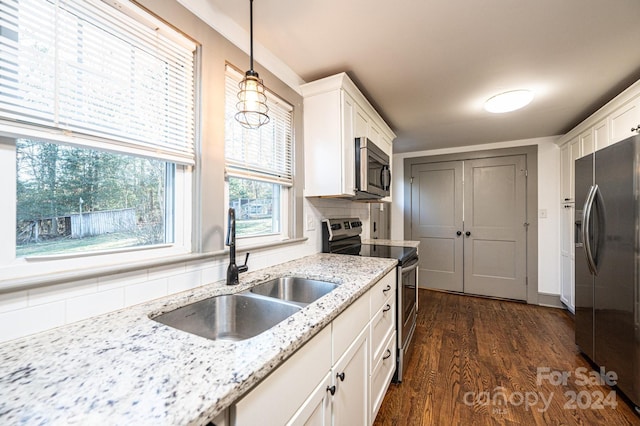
<point x="262" y="154"/>
<point x="107" y="76"/>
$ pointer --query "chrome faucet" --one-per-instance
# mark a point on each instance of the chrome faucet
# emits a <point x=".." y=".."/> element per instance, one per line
<point x="234" y="270"/>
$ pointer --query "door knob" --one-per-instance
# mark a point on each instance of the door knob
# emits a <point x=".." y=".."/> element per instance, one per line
<point x="459" y="233"/>
<point x="467" y="233"/>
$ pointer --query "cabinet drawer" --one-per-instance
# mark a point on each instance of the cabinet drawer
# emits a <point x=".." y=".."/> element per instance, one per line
<point x="382" y="325"/>
<point x="383" y="289"/>
<point x="348" y="325"/>
<point x="289" y="386"/>
<point x="382" y="374"/>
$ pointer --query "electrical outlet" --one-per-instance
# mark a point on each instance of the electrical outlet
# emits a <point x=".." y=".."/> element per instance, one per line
<point x="311" y="223"/>
<point x="542" y="213"/>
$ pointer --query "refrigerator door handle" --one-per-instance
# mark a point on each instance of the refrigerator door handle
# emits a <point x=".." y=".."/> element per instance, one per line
<point x="586" y="224"/>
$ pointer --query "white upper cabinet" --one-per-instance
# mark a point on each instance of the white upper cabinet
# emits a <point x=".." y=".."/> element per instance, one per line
<point x="625" y="120"/>
<point x="335" y="113"/>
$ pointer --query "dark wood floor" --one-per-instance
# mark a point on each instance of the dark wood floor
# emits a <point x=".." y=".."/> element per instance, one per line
<point x="476" y="361"/>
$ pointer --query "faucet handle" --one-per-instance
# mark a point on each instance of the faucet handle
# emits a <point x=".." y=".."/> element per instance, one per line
<point x="245" y="267"/>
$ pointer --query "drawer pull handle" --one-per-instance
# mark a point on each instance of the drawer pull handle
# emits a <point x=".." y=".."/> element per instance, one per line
<point x="387" y="309"/>
<point x="331" y="389"/>
<point x="386" y="289"/>
<point x="386" y="356"/>
<point x="340" y="376"/>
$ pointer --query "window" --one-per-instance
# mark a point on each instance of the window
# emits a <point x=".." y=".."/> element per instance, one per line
<point x="72" y="199"/>
<point x="259" y="166"/>
<point x="97" y="102"/>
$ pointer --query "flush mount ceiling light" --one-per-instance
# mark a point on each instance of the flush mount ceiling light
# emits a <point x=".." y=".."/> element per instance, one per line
<point x="508" y="101"/>
<point x="252" y="101"/>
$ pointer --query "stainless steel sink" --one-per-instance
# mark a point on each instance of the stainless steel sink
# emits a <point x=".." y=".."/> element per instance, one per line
<point x="294" y="289"/>
<point x="231" y="317"/>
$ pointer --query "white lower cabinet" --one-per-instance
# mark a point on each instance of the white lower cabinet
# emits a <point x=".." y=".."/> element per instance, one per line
<point x="381" y="375"/>
<point x="276" y="399"/>
<point x="316" y="410"/>
<point x="351" y="378"/>
<point x="337" y="378"/>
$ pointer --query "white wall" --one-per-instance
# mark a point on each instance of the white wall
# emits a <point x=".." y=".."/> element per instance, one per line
<point x="548" y="199"/>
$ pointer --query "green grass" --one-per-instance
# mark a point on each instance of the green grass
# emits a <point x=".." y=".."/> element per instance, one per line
<point x="121" y="240"/>
<point x="253" y="227"/>
<point x="76" y="245"/>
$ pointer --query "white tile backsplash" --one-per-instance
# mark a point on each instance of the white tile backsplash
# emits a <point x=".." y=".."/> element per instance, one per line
<point x="26" y="312"/>
<point x="39" y="296"/>
<point x="90" y="305"/>
<point x="145" y="291"/>
<point x="183" y="282"/>
<point x="32" y="319"/>
<point x="13" y="301"/>
<point x="121" y="280"/>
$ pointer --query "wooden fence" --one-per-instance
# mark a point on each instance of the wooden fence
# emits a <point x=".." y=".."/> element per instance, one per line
<point x="103" y="222"/>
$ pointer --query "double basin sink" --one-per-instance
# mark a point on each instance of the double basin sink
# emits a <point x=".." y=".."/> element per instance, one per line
<point x="235" y="317"/>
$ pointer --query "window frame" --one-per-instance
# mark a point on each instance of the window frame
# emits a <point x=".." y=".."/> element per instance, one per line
<point x="287" y="186"/>
<point x="182" y="194"/>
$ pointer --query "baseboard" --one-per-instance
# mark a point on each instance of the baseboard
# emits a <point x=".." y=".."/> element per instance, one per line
<point x="550" y="300"/>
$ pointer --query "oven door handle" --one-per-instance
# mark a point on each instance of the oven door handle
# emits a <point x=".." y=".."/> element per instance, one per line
<point x="411" y="267"/>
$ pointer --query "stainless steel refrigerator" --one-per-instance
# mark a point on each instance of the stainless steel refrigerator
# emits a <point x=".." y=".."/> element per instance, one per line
<point x="607" y="247"/>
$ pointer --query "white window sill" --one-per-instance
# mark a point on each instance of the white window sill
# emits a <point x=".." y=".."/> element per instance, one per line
<point x="43" y="280"/>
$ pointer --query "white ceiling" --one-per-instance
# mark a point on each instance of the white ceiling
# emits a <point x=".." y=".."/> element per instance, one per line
<point x="428" y="65"/>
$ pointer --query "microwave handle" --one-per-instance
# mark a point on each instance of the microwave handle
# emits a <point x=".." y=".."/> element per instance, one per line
<point x="385" y="178"/>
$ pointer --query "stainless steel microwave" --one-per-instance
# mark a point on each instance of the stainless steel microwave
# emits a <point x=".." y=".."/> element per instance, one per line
<point x="373" y="174"/>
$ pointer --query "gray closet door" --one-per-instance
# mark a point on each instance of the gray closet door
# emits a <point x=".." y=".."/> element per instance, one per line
<point x="495" y="227"/>
<point x="436" y="217"/>
<point x="469" y="217"/>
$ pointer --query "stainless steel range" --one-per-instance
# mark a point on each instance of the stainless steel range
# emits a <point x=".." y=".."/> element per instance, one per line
<point x="342" y="236"/>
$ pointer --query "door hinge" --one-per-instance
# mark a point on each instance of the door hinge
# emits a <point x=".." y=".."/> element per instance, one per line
<point x="526" y="173"/>
<point x="411" y="181"/>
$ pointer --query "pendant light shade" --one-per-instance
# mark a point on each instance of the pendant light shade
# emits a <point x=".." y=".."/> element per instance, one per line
<point x="252" y="101"/>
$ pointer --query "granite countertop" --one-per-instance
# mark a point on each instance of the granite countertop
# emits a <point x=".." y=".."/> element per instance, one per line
<point x="124" y="368"/>
<point x="395" y="243"/>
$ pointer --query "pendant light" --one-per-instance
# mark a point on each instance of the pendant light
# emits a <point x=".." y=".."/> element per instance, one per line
<point x="252" y="101"/>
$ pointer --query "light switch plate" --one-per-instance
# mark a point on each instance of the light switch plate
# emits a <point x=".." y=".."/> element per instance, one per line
<point x="311" y="223"/>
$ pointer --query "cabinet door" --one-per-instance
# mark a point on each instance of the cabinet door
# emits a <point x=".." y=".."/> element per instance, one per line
<point x="351" y="379"/>
<point x="288" y="387"/>
<point x="565" y="169"/>
<point x="601" y="134"/>
<point x="567" y="255"/>
<point x="374" y="133"/>
<point x="362" y="123"/>
<point x="348" y="143"/>
<point x="624" y="119"/>
<point x="586" y="143"/>
<point x="316" y="410"/>
<point x="575" y="152"/>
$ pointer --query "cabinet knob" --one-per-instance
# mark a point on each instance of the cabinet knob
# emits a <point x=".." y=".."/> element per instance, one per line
<point x="387" y="308"/>
<point x="341" y="377"/>
<point x="387" y="354"/>
<point x="331" y="389"/>
<point x="636" y="129"/>
<point x="467" y="233"/>
<point x="386" y="289"/>
<point x="459" y="233"/>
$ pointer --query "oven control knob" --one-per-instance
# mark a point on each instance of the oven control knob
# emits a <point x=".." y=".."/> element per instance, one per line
<point x="335" y="226"/>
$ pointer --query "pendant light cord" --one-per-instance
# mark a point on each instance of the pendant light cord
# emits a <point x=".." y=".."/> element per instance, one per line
<point x="251" y="34"/>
